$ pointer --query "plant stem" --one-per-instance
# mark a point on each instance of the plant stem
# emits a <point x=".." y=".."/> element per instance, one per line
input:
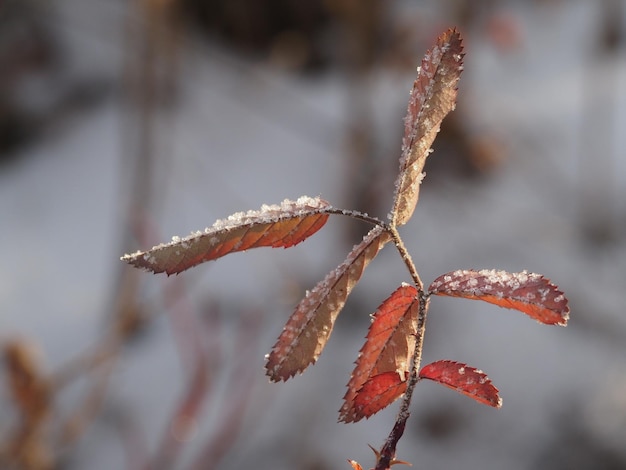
<point x="406" y="257"/>
<point x="387" y="454"/>
<point x="358" y="215"/>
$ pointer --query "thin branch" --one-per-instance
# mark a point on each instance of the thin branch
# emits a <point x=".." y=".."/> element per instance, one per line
<point x="358" y="215"/>
<point x="388" y="452"/>
<point x="406" y="257"/>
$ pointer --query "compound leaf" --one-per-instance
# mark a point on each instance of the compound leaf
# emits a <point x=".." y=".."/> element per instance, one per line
<point x="433" y="96"/>
<point x="464" y="379"/>
<point x="388" y="347"/>
<point x="283" y="225"/>
<point x="529" y="293"/>
<point x="309" y="327"/>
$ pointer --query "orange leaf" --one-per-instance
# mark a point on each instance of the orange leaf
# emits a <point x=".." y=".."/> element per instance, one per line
<point x="388" y="347"/>
<point x="283" y="225"/>
<point x="309" y="327"/>
<point x="529" y="293"/>
<point x="378" y="392"/>
<point x="433" y="96"/>
<point x="464" y="379"/>
<point x="355" y="465"/>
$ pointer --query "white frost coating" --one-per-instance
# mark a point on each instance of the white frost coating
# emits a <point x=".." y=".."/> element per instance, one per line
<point x="304" y="205"/>
<point x="148" y="258"/>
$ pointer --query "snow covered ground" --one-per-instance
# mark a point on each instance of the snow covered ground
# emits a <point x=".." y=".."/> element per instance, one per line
<point x="242" y="135"/>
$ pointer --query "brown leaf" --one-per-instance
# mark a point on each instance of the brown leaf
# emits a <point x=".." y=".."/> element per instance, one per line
<point x="464" y="379"/>
<point x="388" y="347"/>
<point x="433" y="96"/>
<point x="309" y="327"/>
<point x="529" y="293"/>
<point x="283" y="225"/>
<point x="378" y="392"/>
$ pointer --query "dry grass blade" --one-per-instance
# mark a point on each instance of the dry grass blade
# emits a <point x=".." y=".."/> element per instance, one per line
<point x="27" y="444"/>
<point x="433" y="96"/>
<point x="283" y="225"/>
<point x="309" y="327"/>
<point x="529" y="293"/>
<point x="388" y="347"/>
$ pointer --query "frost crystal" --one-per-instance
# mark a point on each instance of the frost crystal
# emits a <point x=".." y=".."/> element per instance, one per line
<point x="528" y="292"/>
<point x="239" y="231"/>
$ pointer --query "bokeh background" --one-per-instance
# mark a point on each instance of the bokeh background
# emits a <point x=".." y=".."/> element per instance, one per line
<point x="126" y="122"/>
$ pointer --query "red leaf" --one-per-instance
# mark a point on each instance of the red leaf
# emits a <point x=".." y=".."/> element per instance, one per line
<point x="388" y="347"/>
<point x="309" y="327"/>
<point x="433" y="96"/>
<point x="283" y="225"/>
<point x="464" y="379"/>
<point x="529" y="293"/>
<point x="378" y="392"/>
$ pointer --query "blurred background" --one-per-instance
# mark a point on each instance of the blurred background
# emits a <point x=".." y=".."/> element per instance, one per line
<point x="126" y="122"/>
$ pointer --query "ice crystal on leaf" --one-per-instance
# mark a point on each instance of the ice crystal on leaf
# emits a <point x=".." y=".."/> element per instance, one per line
<point x="283" y="225"/>
<point x="529" y="293"/>
<point x="464" y="379"/>
<point x="433" y="96"/>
